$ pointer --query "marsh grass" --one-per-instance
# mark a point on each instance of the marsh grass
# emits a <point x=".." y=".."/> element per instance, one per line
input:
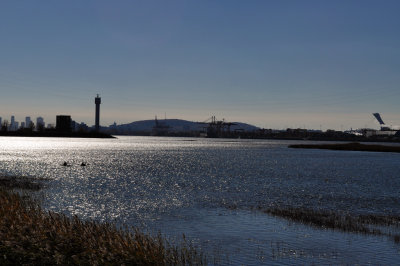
<point x="365" y="224"/>
<point x="31" y="236"/>
<point x="354" y="146"/>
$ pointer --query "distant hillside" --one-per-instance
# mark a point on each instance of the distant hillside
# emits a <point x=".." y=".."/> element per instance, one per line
<point x="174" y="125"/>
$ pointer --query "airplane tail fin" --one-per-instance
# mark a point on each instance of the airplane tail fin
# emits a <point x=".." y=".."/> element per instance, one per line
<point x="378" y="117"/>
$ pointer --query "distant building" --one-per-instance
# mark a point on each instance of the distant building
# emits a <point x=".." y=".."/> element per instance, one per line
<point x="27" y="121"/>
<point x="63" y="123"/>
<point x="1" y="121"/>
<point x="82" y="127"/>
<point x="378" y="133"/>
<point x="22" y="124"/>
<point x="113" y="126"/>
<point x="13" y="125"/>
<point x="50" y="126"/>
<point x="16" y="124"/>
<point x="73" y="125"/>
<point x="39" y="123"/>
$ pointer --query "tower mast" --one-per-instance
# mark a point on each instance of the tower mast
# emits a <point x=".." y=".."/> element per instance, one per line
<point x="97" y="101"/>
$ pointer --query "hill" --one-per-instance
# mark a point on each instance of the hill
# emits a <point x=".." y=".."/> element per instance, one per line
<point x="171" y="125"/>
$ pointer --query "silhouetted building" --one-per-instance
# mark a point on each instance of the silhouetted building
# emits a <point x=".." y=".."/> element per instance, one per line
<point x="63" y="123"/>
<point x="73" y="125"/>
<point x="113" y="126"/>
<point x="50" y="126"/>
<point x="13" y="124"/>
<point x="82" y="127"/>
<point x="1" y="122"/>
<point x="27" y="121"/>
<point x="39" y="123"/>
<point x="97" y="101"/>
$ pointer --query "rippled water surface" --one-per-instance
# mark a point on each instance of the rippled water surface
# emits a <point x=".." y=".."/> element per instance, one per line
<point x="209" y="189"/>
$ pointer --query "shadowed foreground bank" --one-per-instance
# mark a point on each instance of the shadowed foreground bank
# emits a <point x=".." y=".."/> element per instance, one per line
<point x="29" y="235"/>
<point x="355" y="146"/>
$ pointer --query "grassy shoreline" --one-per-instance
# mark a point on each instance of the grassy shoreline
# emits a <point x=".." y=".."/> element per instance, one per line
<point x="364" y="224"/>
<point x="32" y="236"/>
<point x="354" y="146"/>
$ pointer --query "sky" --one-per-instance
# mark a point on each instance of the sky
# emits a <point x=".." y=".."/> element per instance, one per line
<point x="273" y="64"/>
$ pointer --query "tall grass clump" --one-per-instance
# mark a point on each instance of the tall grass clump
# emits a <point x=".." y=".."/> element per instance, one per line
<point x="365" y="224"/>
<point x="31" y="236"/>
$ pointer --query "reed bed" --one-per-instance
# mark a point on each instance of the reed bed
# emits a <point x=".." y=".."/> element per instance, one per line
<point x="366" y="224"/>
<point x="354" y="146"/>
<point x="31" y="236"/>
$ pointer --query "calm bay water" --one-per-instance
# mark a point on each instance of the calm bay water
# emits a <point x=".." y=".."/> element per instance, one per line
<point x="209" y="189"/>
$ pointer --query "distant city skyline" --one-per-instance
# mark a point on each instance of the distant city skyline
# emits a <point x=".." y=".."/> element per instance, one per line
<point x="273" y="64"/>
<point x="15" y="124"/>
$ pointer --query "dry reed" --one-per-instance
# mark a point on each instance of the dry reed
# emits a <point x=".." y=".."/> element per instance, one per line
<point x="366" y="224"/>
<point x="31" y="236"/>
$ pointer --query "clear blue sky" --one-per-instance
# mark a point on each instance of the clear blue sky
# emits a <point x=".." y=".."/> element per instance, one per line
<point x="275" y="64"/>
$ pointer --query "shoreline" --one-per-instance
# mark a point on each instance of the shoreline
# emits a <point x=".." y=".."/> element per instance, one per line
<point x="55" y="134"/>
<point x="32" y="236"/>
<point x="353" y="146"/>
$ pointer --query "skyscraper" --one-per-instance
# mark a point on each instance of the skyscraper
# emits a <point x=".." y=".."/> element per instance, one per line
<point x="13" y="126"/>
<point x="39" y="123"/>
<point x="97" y="101"/>
<point x="28" y="121"/>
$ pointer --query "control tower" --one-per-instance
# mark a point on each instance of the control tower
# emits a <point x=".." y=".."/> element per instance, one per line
<point x="97" y="101"/>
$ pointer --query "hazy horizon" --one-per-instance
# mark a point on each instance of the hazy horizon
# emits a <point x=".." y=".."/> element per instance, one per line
<point x="369" y="122"/>
<point x="272" y="64"/>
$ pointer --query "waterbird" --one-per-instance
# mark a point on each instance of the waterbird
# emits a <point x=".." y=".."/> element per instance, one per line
<point x="83" y="164"/>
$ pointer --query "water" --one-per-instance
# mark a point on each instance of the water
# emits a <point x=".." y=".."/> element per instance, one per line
<point x="209" y="189"/>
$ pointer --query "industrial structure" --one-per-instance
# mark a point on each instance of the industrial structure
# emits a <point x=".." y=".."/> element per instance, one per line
<point x="215" y="128"/>
<point x="385" y="131"/>
<point x="160" y="128"/>
<point x="385" y="127"/>
<point x="97" y="101"/>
